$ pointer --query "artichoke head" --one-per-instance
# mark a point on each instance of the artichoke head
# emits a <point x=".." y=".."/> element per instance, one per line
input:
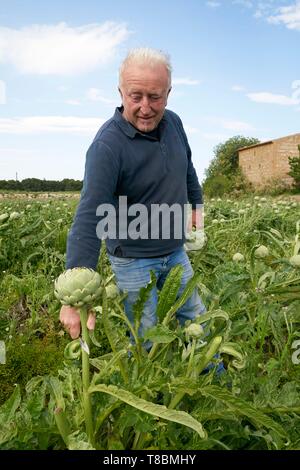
<point x="237" y="257"/>
<point x="112" y="291"/>
<point x="295" y="261"/>
<point x="261" y="252"/>
<point x="194" y="330"/>
<point x="77" y="287"/>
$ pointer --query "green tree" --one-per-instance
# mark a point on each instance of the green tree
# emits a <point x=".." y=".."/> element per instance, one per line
<point x="294" y="172"/>
<point x="223" y="174"/>
<point x="226" y="156"/>
<point x="35" y="184"/>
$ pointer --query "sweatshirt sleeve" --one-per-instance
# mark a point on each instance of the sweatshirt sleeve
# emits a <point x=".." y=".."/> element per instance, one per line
<point x="195" y="196"/>
<point x="99" y="185"/>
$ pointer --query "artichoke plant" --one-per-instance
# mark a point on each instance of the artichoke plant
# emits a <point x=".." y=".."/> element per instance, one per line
<point x="295" y="261"/>
<point x="112" y="291"/>
<point x="261" y="252"/>
<point x="14" y="215"/>
<point x="237" y="257"/>
<point x="4" y="217"/>
<point x="80" y="288"/>
<point x="194" y="330"/>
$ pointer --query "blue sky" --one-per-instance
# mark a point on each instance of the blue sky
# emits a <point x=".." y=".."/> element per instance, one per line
<point x="235" y="72"/>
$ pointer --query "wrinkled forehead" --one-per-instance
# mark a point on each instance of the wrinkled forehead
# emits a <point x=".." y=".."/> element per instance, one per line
<point x="152" y="77"/>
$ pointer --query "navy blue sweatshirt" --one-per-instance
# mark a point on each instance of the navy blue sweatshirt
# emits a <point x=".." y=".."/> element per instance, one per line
<point x="122" y="161"/>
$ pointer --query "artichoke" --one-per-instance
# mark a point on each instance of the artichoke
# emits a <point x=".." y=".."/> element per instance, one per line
<point x="77" y="287"/>
<point x="295" y="261"/>
<point x="4" y="217"/>
<point x="112" y="291"/>
<point x="14" y="215"/>
<point x="238" y="257"/>
<point x="194" y="330"/>
<point x="261" y="252"/>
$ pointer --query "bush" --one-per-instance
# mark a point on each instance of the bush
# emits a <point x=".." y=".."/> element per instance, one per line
<point x="275" y="187"/>
<point x="28" y="357"/>
<point x="294" y="163"/>
<point x="217" y="186"/>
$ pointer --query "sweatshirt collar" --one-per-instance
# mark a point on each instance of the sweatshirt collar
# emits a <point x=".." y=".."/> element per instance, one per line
<point x="125" y="125"/>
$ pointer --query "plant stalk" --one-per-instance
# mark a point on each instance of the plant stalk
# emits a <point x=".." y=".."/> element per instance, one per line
<point x="110" y="338"/>
<point x="211" y="351"/>
<point x="86" y="377"/>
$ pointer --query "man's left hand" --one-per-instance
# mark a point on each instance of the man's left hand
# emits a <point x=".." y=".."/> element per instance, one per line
<point x="196" y="221"/>
<point x="195" y="240"/>
<point x="195" y="237"/>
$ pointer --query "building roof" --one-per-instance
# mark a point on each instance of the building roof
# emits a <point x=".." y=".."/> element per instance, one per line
<point x="266" y="142"/>
<point x="256" y="145"/>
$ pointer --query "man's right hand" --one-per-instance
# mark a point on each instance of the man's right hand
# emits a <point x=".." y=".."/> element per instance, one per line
<point x="70" y="319"/>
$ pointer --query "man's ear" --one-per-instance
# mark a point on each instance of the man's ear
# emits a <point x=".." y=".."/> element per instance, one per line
<point x="119" y="89"/>
<point x="168" y="92"/>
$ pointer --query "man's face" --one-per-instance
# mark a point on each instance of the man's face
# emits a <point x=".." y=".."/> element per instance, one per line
<point x="144" y="91"/>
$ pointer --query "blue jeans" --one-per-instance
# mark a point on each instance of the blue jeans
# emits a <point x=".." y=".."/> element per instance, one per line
<point x="134" y="273"/>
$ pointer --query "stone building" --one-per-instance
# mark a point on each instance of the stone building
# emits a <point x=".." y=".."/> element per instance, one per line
<point x="267" y="161"/>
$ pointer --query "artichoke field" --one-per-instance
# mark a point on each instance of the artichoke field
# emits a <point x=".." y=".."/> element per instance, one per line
<point x="104" y="391"/>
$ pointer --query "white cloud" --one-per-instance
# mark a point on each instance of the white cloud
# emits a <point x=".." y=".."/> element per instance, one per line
<point x="61" y="49"/>
<point x="2" y="92"/>
<point x="289" y="16"/>
<point x="213" y="4"/>
<point x="50" y="124"/>
<point x="271" y="98"/>
<point x="94" y="94"/>
<point x="185" y="81"/>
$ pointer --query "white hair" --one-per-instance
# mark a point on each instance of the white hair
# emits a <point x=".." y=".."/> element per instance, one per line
<point x="146" y="56"/>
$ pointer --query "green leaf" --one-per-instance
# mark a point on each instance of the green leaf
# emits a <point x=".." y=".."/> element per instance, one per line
<point x="160" y="334"/>
<point x="36" y="402"/>
<point x="156" y="410"/>
<point x="237" y="405"/>
<point x="114" y="443"/>
<point x="8" y="409"/>
<point x="109" y="331"/>
<point x="144" y="294"/>
<point x="230" y="348"/>
<point x="34" y="384"/>
<point x="79" y="441"/>
<point x="188" y="291"/>
<point x="213" y="314"/>
<point x="169" y="291"/>
<point x="56" y="391"/>
<point x="105" y="366"/>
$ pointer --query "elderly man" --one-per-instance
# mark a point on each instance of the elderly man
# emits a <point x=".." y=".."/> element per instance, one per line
<point x="141" y="155"/>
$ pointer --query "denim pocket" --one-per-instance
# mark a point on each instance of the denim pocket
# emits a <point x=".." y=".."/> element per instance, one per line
<point x="116" y="261"/>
